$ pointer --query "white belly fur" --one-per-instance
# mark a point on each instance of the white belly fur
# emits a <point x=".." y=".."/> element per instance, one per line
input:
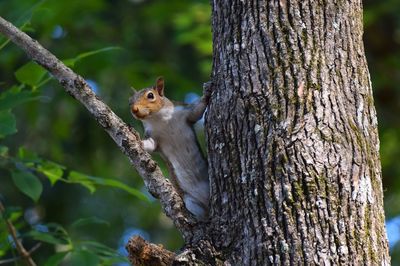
<point x="177" y="142"/>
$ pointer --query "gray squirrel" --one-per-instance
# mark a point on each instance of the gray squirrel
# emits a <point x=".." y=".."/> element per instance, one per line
<point x="169" y="130"/>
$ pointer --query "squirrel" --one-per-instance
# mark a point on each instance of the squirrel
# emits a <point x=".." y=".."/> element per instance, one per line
<point x="169" y="130"/>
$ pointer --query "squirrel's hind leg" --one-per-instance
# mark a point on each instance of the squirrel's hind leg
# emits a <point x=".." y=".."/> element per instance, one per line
<point x="194" y="207"/>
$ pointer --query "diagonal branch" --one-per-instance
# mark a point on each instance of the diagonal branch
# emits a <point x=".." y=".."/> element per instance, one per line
<point x="125" y="137"/>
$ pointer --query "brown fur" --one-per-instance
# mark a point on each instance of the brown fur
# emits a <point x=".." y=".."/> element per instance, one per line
<point x="169" y="130"/>
<point x="142" y="107"/>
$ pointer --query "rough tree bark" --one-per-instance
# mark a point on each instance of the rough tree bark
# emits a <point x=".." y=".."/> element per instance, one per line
<point x="292" y="134"/>
<point x="292" y="140"/>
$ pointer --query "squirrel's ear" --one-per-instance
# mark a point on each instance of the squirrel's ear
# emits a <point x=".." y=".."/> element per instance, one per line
<point x="160" y="86"/>
<point x="133" y="90"/>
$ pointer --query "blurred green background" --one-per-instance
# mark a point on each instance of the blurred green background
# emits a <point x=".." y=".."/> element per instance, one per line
<point x="140" y="40"/>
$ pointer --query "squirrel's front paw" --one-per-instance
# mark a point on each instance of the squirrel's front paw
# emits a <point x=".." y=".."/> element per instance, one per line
<point x="149" y="145"/>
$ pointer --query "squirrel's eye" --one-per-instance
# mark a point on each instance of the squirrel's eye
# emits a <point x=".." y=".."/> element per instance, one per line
<point x="150" y="95"/>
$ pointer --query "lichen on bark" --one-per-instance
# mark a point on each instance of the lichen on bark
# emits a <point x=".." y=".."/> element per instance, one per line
<point x="294" y="159"/>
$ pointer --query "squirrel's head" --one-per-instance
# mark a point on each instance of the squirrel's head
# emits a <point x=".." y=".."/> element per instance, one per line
<point x="147" y="101"/>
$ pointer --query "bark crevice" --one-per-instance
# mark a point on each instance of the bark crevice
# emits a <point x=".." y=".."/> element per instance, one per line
<point x="294" y="103"/>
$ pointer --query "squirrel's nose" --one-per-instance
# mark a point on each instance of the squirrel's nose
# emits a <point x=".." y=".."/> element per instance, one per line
<point x="135" y="109"/>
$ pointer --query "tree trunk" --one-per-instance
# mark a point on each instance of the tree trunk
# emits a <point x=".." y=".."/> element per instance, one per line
<point x="292" y="133"/>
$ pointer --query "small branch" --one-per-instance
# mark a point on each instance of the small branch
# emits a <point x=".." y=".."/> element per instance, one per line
<point x="125" y="137"/>
<point x="25" y="255"/>
<point x="144" y="253"/>
<point x="5" y="261"/>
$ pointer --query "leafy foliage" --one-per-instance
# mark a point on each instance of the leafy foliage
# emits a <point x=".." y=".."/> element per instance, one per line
<point x="7" y="123"/>
<point x="26" y="169"/>
<point x="28" y="184"/>
<point x="36" y="115"/>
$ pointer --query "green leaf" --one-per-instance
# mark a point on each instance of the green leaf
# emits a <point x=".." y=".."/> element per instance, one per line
<point x="57" y="228"/>
<point x="4" y="43"/>
<point x="90" y="182"/>
<point x="56" y="235"/>
<point x="48" y="237"/>
<point x="7" y="123"/>
<point x="89" y="220"/>
<point x="14" y="97"/>
<point x="27" y="155"/>
<point x="102" y="50"/>
<point x="117" y="184"/>
<point x="30" y="74"/>
<point x="3" y="151"/>
<point x="12" y="213"/>
<point x="4" y="239"/>
<point x="83" y="257"/>
<point x="72" y="61"/>
<point x="82" y="179"/>
<point x="56" y="259"/>
<point x="28" y="184"/>
<point x="100" y="249"/>
<point x="52" y="170"/>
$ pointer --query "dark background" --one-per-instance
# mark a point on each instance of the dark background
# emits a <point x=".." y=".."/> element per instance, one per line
<point x="170" y="38"/>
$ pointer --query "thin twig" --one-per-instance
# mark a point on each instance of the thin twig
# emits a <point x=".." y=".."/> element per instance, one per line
<point x="10" y="260"/>
<point x="25" y="255"/>
<point x="125" y="137"/>
<point x="33" y="249"/>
